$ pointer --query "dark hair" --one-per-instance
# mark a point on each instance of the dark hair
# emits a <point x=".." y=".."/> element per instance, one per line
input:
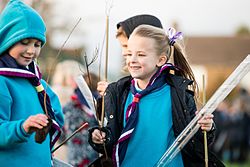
<point x="131" y="23"/>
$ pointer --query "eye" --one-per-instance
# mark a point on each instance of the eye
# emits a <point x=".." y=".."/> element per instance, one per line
<point x="128" y="54"/>
<point x="141" y="55"/>
<point x="38" y="44"/>
<point x="25" y="41"/>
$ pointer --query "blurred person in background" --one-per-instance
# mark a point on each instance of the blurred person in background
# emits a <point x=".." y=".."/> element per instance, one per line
<point x="222" y="122"/>
<point x="80" y="153"/>
<point x="77" y="150"/>
<point x="63" y="77"/>
<point x="239" y="128"/>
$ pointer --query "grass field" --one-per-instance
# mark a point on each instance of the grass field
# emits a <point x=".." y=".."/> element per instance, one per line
<point x="237" y="165"/>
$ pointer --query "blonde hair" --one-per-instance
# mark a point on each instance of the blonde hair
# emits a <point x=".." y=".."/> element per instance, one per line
<point x="175" y="51"/>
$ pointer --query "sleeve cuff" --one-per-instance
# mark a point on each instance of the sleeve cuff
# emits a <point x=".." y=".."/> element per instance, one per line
<point x="22" y="133"/>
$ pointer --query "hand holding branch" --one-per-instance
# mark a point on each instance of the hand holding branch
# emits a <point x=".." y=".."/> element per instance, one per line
<point x="35" y="122"/>
<point x="206" y="122"/>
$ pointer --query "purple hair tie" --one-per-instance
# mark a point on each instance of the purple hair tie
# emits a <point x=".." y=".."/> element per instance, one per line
<point x="173" y="35"/>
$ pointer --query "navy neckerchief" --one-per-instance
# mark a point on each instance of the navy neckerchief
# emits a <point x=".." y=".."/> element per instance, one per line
<point x="156" y="81"/>
<point x="9" y="67"/>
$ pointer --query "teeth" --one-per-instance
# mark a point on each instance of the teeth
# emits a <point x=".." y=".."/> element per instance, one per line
<point x="135" y="68"/>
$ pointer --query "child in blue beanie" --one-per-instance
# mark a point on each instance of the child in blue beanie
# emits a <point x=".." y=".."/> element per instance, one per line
<point x="24" y="116"/>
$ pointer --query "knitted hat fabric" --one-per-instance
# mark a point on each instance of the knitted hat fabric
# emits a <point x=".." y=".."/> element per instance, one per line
<point x="131" y="23"/>
<point x="19" y="21"/>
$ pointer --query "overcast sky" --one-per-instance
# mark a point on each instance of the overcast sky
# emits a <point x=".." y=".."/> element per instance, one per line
<point x="194" y="17"/>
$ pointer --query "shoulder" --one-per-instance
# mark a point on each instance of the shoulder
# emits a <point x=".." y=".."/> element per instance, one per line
<point x="3" y="78"/>
<point x="121" y="84"/>
<point x="6" y="82"/>
<point x="118" y="91"/>
<point x="48" y="89"/>
<point x="3" y="82"/>
<point x="178" y="81"/>
<point x="46" y="85"/>
<point x="5" y="87"/>
<point x="181" y="85"/>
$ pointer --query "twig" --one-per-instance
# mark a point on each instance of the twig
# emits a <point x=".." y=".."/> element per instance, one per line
<point x="205" y="132"/>
<point x="74" y="133"/>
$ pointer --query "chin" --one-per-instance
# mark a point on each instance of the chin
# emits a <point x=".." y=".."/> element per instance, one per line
<point x="136" y="76"/>
<point x="133" y="75"/>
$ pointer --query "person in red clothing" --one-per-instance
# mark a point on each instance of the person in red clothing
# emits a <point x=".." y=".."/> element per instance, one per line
<point x="80" y="153"/>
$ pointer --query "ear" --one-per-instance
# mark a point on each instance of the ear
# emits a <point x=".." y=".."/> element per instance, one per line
<point x="162" y="60"/>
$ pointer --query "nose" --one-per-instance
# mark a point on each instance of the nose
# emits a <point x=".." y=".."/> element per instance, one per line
<point x="133" y="58"/>
<point x="31" y="49"/>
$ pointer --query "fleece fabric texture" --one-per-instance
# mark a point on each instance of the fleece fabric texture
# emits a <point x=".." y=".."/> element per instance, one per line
<point x="131" y="23"/>
<point x="152" y="123"/>
<point x="19" y="21"/>
<point x="19" y="100"/>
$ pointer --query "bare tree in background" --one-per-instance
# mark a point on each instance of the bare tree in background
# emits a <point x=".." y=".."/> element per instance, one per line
<point x="42" y="7"/>
<point x="48" y="54"/>
<point x="243" y="30"/>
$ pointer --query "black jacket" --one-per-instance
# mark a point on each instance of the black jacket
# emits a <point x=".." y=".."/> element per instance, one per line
<point x="183" y="110"/>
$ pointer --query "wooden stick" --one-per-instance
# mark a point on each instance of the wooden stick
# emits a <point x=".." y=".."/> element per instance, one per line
<point x="107" y="48"/>
<point x="75" y="132"/>
<point x="106" y="78"/>
<point x="205" y="132"/>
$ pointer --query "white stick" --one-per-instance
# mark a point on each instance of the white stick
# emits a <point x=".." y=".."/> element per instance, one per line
<point x="84" y="88"/>
<point x="210" y="106"/>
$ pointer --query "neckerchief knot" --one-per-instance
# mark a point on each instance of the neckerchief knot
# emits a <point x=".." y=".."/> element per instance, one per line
<point x="136" y="98"/>
<point x="39" y="88"/>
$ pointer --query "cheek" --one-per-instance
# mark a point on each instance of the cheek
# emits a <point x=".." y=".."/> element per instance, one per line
<point x="124" y="51"/>
<point x="127" y="60"/>
<point x="15" y="51"/>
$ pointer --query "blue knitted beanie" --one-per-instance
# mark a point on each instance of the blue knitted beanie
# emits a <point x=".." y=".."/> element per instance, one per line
<point x="19" y="21"/>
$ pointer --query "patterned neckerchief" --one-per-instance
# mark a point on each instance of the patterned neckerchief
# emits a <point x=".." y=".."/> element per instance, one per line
<point x="156" y="81"/>
<point x="9" y="67"/>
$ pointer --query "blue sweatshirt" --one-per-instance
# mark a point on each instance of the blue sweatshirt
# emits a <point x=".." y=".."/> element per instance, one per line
<point x="154" y="132"/>
<point x="18" y="101"/>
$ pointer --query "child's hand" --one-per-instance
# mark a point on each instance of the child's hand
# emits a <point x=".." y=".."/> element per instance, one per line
<point x="98" y="136"/>
<point x="206" y="122"/>
<point x="101" y="87"/>
<point x="35" y="121"/>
